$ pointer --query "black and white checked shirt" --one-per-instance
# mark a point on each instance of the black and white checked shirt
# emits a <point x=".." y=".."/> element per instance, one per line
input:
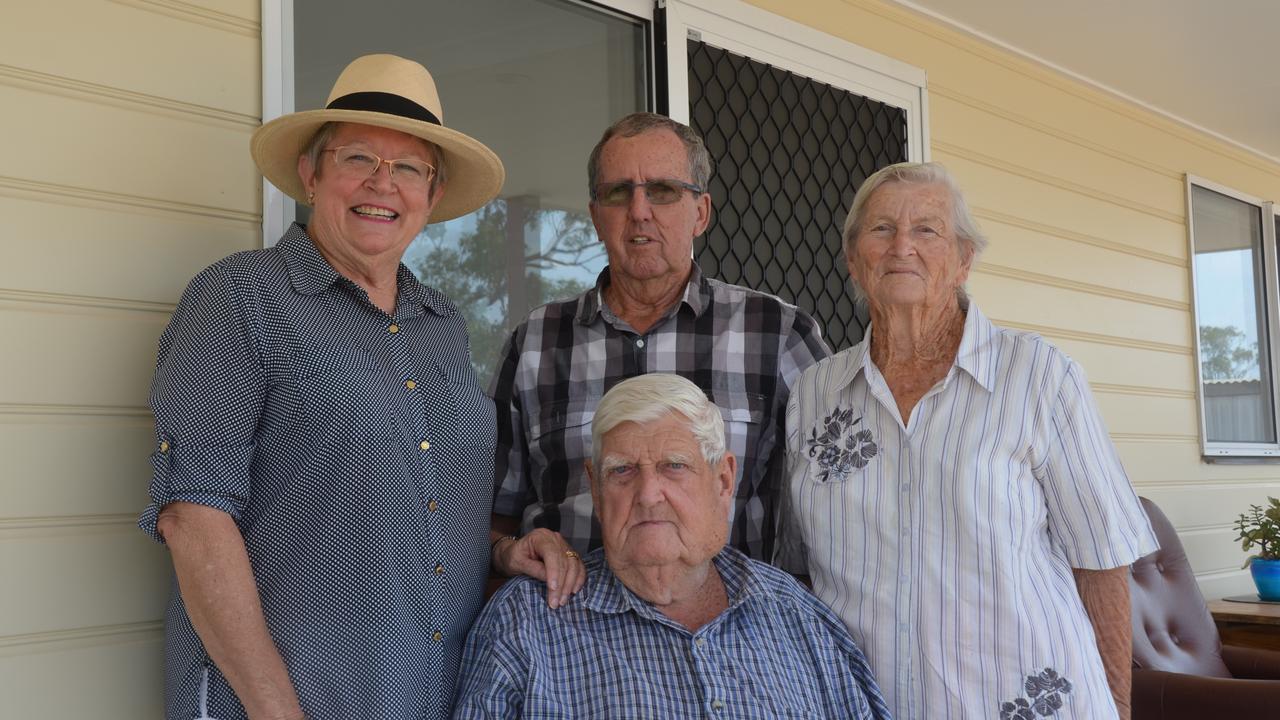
<point x="744" y="348"/>
<point x="354" y="451"/>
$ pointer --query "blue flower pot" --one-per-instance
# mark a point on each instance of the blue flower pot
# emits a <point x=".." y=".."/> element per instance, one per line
<point x="1266" y="576"/>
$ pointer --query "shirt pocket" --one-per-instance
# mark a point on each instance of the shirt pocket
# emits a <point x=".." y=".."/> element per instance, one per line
<point x="564" y="418"/>
<point x="336" y="388"/>
<point x="560" y="440"/>
<point x="474" y="414"/>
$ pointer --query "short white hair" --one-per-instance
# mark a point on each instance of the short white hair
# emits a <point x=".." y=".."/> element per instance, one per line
<point x="650" y="397"/>
<point x="969" y="236"/>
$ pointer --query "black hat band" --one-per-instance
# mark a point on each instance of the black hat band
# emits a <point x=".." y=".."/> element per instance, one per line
<point x="387" y="103"/>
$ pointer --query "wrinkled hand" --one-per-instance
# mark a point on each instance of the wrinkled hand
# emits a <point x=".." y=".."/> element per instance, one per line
<point x="543" y="555"/>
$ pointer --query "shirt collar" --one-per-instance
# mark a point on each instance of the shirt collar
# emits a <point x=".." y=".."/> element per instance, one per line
<point x="697" y="295"/>
<point x="975" y="355"/>
<point x="605" y="593"/>
<point x="311" y="274"/>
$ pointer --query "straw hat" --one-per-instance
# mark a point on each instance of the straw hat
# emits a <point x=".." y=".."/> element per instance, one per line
<point x="390" y="92"/>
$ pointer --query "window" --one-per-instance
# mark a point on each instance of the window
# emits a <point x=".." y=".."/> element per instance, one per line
<point x="1233" y="244"/>
<point x="535" y="80"/>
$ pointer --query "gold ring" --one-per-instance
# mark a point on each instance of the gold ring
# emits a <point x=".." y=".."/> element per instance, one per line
<point x="570" y="554"/>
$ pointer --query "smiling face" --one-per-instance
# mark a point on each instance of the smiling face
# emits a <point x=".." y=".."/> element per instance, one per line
<point x="646" y="241"/>
<point x="359" y="221"/>
<point x="658" y="501"/>
<point x="906" y="252"/>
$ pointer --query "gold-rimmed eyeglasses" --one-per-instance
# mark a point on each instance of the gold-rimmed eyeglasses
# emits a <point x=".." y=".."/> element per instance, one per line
<point x="358" y="163"/>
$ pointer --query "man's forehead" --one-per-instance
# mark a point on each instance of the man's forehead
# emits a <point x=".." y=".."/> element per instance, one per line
<point x="667" y="435"/>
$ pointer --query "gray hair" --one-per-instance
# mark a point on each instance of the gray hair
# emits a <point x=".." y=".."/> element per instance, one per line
<point x="650" y="397"/>
<point x="969" y="236"/>
<point x="642" y="122"/>
<point x="316" y="145"/>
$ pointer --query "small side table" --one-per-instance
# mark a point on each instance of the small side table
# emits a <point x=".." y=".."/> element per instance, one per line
<point x="1245" y="621"/>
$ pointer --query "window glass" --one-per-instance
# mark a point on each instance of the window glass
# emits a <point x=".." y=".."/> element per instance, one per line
<point x="1235" y="364"/>
<point x="535" y="80"/>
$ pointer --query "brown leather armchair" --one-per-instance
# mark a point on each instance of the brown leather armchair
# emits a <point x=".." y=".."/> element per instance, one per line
<point x="1181" y="669"/>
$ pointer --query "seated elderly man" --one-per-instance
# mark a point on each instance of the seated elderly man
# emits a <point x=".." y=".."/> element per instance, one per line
<point x="670" y="623"/>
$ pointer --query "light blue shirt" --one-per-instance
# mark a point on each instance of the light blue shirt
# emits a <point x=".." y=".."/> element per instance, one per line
<point x="775" y="652"/>
<point x="946" y="543"/>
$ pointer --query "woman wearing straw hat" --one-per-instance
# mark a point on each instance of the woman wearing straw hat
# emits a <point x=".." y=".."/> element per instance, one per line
<point x="324" y="452"/>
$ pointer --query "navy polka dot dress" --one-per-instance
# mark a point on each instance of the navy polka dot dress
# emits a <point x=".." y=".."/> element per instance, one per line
<point x="355" y="452"/>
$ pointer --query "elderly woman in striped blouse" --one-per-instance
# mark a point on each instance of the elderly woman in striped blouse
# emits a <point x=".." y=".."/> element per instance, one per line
<point x="953" y="492"/>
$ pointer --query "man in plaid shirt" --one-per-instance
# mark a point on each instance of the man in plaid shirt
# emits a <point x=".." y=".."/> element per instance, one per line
<point x="651" y="310"/>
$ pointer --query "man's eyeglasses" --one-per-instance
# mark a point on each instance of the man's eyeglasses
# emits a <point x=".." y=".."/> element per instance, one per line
<point x="359" y="164"/>
<point x="657" y="192"/>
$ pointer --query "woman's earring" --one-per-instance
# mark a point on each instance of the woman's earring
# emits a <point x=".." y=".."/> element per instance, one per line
<point x="311" y="198"/>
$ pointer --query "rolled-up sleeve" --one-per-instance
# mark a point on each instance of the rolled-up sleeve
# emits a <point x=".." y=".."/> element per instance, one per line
<point x="1094" y="513"/>
<point x="207" y="396"/>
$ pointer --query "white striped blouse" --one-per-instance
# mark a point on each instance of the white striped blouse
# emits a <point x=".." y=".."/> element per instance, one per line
<point x="946" y="544"/>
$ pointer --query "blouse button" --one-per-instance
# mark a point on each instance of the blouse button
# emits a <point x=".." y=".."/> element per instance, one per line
<point x="432" y="505"/>
<point x="439" y="569"/>
<point x="424" y="445"/>
<point x="410" y="384"/>
<point x="393" y="329"/>
<point x="437" y="636"/>
<point x="164" y="446"/>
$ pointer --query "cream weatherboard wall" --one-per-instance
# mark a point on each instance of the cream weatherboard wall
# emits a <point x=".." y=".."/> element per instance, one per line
<point x="126" y="170"/>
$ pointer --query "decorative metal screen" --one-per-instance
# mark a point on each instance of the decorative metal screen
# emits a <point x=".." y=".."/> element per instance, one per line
<point x="788" y="154"/>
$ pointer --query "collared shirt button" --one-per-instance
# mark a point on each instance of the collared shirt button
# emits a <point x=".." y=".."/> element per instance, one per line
<point x="432" y="505"/>
<point x="439" y="569"/>
<point x="393" y="328"/>
<point x="639" y="342"/>
<point x="437" y="636"/>
<point x="410" y="384"/>
<point x="700" y="641"/>
<point x="424" y="445"/>
<point x="717" y="705"/>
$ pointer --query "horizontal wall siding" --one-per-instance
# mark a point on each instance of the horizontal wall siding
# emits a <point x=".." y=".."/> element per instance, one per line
<point x="1082" y="194"/>
<point x="131" y="173"/>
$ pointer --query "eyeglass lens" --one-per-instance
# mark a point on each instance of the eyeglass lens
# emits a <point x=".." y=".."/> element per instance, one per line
<point x="658" y="192"/>
<point x="361" y="163"/>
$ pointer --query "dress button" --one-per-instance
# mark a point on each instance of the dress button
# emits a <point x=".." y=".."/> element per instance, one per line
<point x="432" y="505"/>
<point x="393" y="329"/>
<point x="437" y="636"/>
<point x="410" y="384"/>
<point x="424" y="445"/>
<point x="164" y="446"/>
<point x="439" y="569"/>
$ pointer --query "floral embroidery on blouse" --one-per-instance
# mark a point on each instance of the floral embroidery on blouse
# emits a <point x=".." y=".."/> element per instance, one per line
<point x="1046" y="692"/>
<point x="839" y="449"/>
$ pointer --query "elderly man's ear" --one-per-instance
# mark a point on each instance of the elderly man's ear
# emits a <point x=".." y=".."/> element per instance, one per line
<point x="725" y="474"/>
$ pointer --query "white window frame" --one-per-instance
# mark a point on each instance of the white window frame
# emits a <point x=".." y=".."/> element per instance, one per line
<point x="728" y="24"/>
<point x="1271" y="290"/>
<point x="761" y="35"/>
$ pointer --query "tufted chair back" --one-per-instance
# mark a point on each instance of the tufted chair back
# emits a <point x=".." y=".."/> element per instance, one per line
<point x="1172" y="628"/>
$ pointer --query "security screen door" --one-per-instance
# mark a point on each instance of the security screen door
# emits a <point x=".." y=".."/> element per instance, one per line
<point x="788" y="152"/>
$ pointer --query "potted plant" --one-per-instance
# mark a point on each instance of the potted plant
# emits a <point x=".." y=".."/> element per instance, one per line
<point x="1261" y="527"/>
